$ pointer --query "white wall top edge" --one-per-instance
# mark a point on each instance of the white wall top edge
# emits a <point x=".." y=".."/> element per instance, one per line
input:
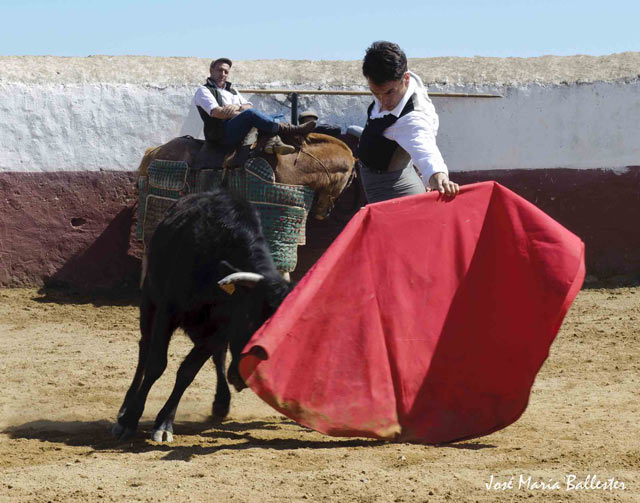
<point x="161" y="72"/>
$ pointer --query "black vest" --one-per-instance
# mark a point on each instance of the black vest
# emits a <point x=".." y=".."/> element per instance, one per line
<point x="374" y="150"/>
<point x="214" y="128"/>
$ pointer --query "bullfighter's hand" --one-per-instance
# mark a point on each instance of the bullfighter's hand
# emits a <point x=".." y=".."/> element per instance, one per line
<point x="440" y="182"/>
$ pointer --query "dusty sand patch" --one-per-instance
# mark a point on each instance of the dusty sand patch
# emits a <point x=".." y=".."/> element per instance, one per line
<point x="66" y="366"/>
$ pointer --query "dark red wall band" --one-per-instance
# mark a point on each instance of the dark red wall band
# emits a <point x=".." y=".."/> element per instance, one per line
<point x="77" y="228"/>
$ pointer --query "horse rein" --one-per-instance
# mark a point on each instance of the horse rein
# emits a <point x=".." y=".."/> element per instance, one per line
<point x="332" y="200"/>
<point x="316" y="159"/>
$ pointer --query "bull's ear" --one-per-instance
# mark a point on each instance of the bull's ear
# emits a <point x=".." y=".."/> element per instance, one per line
<point x="248" y="279"/>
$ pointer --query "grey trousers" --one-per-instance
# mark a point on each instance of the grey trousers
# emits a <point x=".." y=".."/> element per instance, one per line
<point x="390" y="184"/>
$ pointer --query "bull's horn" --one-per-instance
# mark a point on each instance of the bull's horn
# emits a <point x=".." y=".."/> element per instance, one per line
<point x="242" y="278"/>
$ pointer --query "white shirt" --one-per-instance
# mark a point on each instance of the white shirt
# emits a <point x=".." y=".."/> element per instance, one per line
<point x="203" y="98"/>
<point x="416" y="131"/>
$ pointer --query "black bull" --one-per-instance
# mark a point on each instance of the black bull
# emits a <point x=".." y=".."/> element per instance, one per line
<point x="205" y="242"/>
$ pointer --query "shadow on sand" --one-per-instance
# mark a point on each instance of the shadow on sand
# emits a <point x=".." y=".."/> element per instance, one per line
<point x="242" y="434"/>
<point x="64" y="294"/>
<point x="224" y="436"/>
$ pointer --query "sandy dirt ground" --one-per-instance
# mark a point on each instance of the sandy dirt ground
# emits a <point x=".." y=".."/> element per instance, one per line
<point x="66" y="363"/>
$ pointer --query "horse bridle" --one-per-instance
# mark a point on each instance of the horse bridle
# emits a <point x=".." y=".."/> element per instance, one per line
<point x="332" y="199"/>
<point x="326" y="171"/>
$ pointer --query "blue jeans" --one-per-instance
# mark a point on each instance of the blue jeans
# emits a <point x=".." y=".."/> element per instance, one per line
<point x="237" y="128"/>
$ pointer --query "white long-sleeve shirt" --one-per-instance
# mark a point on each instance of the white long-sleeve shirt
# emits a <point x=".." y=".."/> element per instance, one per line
<point x="417" y="130"/>
<point x="203" y="98"/>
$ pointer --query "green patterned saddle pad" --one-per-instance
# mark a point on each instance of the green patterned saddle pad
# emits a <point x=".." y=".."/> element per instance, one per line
<point x="283" y="209"/>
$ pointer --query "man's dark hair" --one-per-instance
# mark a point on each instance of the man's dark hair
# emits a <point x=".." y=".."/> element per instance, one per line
<point x="384" y="62"/>
<point x="220" y="60"/>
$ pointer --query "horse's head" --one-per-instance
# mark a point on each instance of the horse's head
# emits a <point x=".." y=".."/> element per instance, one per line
<point x="323" y="163"/>
<point x="328" y="167"/>
<point x="326" y="195"/>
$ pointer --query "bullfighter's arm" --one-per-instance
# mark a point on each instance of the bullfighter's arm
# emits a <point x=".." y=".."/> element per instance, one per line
<point x="416" y="133"/>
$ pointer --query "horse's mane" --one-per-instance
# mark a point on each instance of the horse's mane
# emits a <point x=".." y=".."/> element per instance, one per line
<point x="319" y="138"/>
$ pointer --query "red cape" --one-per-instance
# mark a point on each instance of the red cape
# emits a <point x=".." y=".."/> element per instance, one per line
<point x="426" y="320"/>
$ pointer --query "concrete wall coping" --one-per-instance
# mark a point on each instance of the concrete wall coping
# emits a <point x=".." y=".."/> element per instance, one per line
<point x="443" y="71"/>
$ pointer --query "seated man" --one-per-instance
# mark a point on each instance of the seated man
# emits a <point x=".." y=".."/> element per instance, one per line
<point x="228" y="116"/>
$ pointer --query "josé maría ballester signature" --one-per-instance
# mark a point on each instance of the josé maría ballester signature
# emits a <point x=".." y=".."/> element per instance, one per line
<point x="569" y="482"/>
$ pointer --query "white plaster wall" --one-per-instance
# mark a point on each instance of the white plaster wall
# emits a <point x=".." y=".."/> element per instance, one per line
<point x="536" y="126"/>
<point x="92" y="126"/>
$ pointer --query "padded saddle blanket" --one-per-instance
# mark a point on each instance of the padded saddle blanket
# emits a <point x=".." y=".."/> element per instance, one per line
<point x="283" y="209"/>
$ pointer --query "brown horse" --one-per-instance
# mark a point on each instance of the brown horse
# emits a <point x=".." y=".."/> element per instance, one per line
<point x="323" y="163"/>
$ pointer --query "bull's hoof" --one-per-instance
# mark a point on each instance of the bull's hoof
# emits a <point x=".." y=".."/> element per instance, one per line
<point x="235" y="380"/>
<point x="163" y="432"/>
<point x="219" y="411"/>
<point x="161" y="436"/>
<point x="121" y="432"/>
